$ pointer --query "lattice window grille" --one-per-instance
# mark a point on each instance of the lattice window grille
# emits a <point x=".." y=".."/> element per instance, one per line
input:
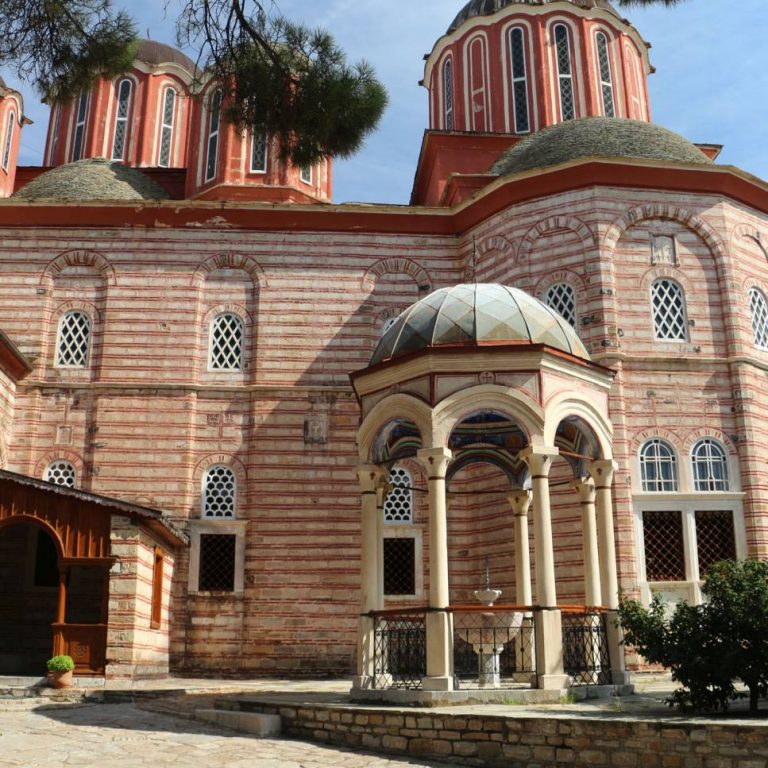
<point x="74" y="340"/>
<point x="658" y="467"/>
<point x="214" y="119"/>
<point x="448" y="94"/>
<point x="8" y="140"/>
<point x="166" y="130"/>
<point x="259" y="146"/>
<point x="519" y="80"/>
<point x="562" y="298"/>
<point x="710" y="466"/>
<point x="398" y="506"/>
<point x="219" y="491"/>
<point x="79" y="138"/>
<point x="399" y="566"/>
<point x="61" y="473"/>
<point x="758" y="306"/>
<point x="217" y="562"/>
<point x="663" y="543"/>
<point x="226" y="343"/>
<point x="565" y="75"/>
<point x="121" y="119"/>
<point x="668" y="304"/>
<point x="715" y="538"/>
<point x="606" y="77"/>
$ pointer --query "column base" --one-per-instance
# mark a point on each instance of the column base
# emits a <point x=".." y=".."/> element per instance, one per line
<point x="620" y="677"/>
<point x="552" y="682"/>
<point x="362" y="683"/>
<point x="437" y="683"/>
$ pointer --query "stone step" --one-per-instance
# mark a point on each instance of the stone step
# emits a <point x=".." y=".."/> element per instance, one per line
<point x="254" y="723"/>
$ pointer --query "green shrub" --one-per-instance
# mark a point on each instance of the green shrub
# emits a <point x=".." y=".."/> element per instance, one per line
<point x="60" y="664"/>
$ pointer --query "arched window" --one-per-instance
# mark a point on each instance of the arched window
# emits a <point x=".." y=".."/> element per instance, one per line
<point x="564" y="72"/>
<point x="259" y="144"/>
<point x="398" y="506"/>
<point x="478" y="107"/>
<point x="78" y="142"/>
<point x="61" y="472"/>
<point x="562" y="298"/>
<point x="658" y="467"/>
<point x="668" y="306"/>
<point x="758" y="306"/>
<point x="710" y="466"/>
<point x="165" y="155"/>
<point x="219" y="492"/>
<point x="214" y="123"/>
<point x="519" y="80"/>
<point x="305" y="174"/>
<point x="606" y="77"/>
<point x="448" y="95"/>
<point x="226" y="349"/>
<point x="74" y="340"/>
<point x="124" y="89"/>
<point x="8" y="140"/>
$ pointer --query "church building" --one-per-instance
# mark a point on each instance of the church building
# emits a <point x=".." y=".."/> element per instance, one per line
<point x="245" y="430"/>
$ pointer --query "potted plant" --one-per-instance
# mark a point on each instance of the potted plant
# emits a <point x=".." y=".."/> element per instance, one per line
<point x="60" y="670"/>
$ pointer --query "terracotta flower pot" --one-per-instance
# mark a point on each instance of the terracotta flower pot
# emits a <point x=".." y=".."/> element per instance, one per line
<point x="60" y="679"/>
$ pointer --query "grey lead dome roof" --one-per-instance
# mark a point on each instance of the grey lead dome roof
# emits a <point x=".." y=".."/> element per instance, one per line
<point x="597" y="137"/>
<point x="92" y="179"/>
<point x="154" y="53"/>
<point x="474" y="313"/>
<point x="487" y="7"/>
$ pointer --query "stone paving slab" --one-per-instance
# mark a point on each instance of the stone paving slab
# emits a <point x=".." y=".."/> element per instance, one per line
<point x="123" y="736"/>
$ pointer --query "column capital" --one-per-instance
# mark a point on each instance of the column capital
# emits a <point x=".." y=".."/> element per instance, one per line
<point x="539" y="457"/>
<point x="369" y="476"/>
<point x="520" y="501"/>
<point x="602" y="472"/>
<point x="435" y="461"/>
<point x="585" y="488"/>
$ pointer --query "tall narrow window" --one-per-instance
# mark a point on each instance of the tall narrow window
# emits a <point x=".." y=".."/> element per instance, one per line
<point x="55" y="134"/>
<point x="564" y="72"/>
<point x="121" y="119"/>
<point x="668" y="307"/>
<point x="562" y="298"/>
<point x="519" y="80"/>
<point x="166" y="129"/>
<point x="8" y="140"/>
<point x="74" y="340"/>
<point x="759" y="308"/>
<point x="78" y="142"/>
<point x="219" y="491"/>
<point x="606" y="77"/>
<point x="61" y="472"/>
<point x="226" y="343"/>
<point x="658" y="467"/>
<point x="448" y="95"/>
<point x="156" y="610"/>
<point x="214" y="123"/>
<point x="710" y="466"/>
<point x="305" y="174"/>
<point x="259" y="144"/>
<point x="477" y="85"/>
<point x="398" y="506"/>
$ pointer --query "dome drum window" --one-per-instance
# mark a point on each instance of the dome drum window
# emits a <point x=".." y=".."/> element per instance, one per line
<point x="226" y="348"/>
<point x="61" y="473"/>
<point x="166" y="129"/>
<point x="448" y="95"/>
<point x="219" y="490"/>
<point x="668" y="306"/>
<point x="214" y="123"/>
<point x="564" y="72"/>
<point x="8" y="140"/>
<point x="398" y="506"/>
<point x="121" y="119"/>
<point x="305" y="174"/>
<point x="259" y="145"/>
<point x="759" y="308"/>
<point x="79" y="135"/>
<point x="74" y="340"/>
<point x="658" y="467"/>
<point x="519" y="80"/>
<point x="562" y="298"/>
<point x="606" y="77"/>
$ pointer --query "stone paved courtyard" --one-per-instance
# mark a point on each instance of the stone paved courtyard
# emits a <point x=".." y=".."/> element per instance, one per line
<point x="122" y="736"/>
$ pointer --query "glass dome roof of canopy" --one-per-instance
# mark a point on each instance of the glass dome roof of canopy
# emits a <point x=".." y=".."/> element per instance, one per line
<point x="474" y="313"/>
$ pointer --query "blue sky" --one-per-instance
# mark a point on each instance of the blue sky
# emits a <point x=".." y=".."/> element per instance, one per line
<point x="711" y="83"/>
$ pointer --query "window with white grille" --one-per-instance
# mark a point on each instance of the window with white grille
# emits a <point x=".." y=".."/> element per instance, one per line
<point x="219" y="491"/>
<point x="562" y="298"/>
<point x="121" y="119"/>
<point x="226" y="353"/>
<point x="214" y="122"/>
<point x="74" y="340"/>
<point x="564" y="72"/>
<point x="448" y="94"/>
<point x="668" y="305"/>
<point x="606" y="76"/>
<point x="658" y="467"/>
<point x="398" y="506"/>
<point x="305" y="174"/>
<point x="259" y="146"/>
<point x="166" y="129"/>
<point x="758" y="306"/>
<point x="8" y="140"/>
<point x="79" y="136"/>
<point x="519" y="80"/>
<point x="61" y="472"/>
<point x="710" y="466"/>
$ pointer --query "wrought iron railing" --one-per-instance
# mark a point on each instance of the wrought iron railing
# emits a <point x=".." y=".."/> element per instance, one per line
<point x="400" y="648"/>
<point x="585" y="648"/>
<point x="493" y="647"/>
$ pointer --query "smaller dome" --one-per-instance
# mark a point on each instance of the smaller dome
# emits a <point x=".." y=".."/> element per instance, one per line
<point x="474" y="313"/>
<point x="92" y="179"/>
<point x="597" y="137"/>
<point x="154" y="53"/>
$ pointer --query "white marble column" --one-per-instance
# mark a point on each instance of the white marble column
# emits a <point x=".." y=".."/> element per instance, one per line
<point x="439" y="625"/>
<point x="520" y="501"/>
<point x="369" y="476"/>
<point x="585" y="488"/>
